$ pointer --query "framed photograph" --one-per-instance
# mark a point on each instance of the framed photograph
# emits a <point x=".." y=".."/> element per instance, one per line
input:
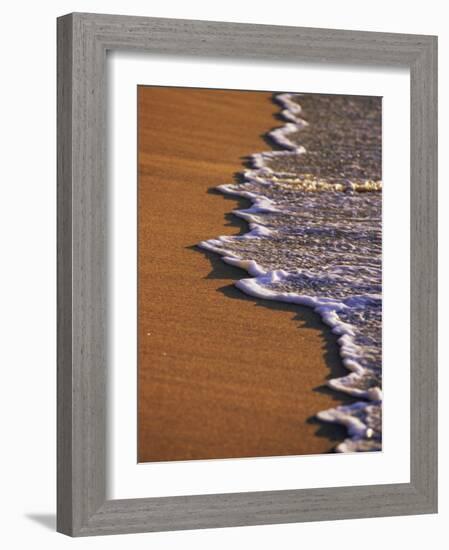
<point x="247" y="248"/>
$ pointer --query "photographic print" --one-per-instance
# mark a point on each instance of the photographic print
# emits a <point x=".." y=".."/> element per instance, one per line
<point x="259" y="273"/>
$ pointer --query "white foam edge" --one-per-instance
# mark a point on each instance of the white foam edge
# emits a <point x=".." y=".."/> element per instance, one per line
<point x="290" y="109"/>
<point x="356" y="428"/>
<point x="280" y="135"/>
<point x="260" y="202"/>
<point x="258" y="159"/>
<point x="326" y="307"/>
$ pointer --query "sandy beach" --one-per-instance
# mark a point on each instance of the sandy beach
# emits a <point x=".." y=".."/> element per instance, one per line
<point x="221" y="374"/>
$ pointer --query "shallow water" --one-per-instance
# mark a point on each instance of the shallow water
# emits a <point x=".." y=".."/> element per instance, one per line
<point x="315" y="238"/>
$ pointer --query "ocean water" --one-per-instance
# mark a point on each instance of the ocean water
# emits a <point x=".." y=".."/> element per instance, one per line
<point x="315" y="238"/>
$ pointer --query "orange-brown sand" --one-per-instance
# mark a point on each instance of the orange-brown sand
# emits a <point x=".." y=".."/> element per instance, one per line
<point x="221" y="374"/>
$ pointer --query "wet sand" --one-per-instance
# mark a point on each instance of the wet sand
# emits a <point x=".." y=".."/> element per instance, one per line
<point x="221" y="374"/>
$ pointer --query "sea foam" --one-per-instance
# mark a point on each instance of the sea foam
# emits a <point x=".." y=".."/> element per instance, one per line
<point x="315" y="238"/>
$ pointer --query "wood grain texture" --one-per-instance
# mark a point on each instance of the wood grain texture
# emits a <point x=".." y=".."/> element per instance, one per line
<point x="64" y="276"/>
<point x="83" y="40"/>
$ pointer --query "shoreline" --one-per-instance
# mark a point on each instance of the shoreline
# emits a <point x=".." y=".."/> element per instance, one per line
<point x="253" y="385"/>
<point x="270" y="278"/>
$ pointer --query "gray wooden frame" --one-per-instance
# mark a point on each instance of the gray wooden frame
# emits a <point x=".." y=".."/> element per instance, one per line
<point x="83" y="40"/>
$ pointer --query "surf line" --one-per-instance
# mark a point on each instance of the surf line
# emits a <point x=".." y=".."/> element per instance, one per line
<point x="363" y="418"/>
